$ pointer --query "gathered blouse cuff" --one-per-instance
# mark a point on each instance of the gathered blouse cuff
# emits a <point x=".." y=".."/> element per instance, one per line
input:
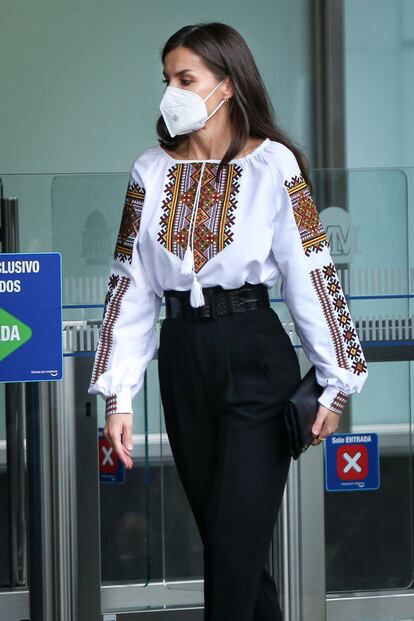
<point x="120" y="403"/>
<point x="334" y="399"/>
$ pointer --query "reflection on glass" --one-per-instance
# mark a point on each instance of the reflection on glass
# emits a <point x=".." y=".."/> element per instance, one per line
<point x="368" y="534"/>
<point x="124" y="530"/>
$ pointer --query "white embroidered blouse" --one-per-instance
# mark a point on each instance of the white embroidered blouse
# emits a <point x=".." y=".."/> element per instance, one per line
<point x="182" y="229"/>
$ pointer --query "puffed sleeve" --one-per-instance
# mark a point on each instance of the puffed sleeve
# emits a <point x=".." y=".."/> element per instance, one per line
<point x="127" y="339"/>
<point x="311" y="288"/>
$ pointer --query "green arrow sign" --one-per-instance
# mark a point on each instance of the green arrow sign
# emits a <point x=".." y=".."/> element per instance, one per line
<point x="13" y="333"/>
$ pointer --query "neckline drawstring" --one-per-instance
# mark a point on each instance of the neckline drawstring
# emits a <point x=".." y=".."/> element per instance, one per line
<point x="188" y="265"/>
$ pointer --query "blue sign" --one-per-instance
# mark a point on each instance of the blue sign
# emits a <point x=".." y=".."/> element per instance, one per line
<point x="30" y="317"/>
<point x="111" y="468"/>
<point x="351" y="462"/>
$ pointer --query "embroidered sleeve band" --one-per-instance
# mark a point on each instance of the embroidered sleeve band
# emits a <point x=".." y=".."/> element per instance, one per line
<point x="312" y="290"/>
<point x="128" y="338"/>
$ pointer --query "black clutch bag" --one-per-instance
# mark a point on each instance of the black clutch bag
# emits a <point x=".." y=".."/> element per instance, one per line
<point x="300" y="413"/>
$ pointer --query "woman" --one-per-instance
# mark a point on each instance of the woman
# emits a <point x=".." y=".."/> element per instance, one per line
<point x="214" y="214"/>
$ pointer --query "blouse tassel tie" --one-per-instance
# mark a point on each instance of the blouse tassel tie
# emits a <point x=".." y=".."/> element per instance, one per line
<point x="187" y="266"/>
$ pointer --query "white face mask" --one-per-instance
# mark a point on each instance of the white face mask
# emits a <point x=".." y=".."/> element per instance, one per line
<point x="185" y="111"/>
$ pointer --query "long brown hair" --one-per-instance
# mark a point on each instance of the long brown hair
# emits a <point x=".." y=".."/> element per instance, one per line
<point x="226" y="54"/>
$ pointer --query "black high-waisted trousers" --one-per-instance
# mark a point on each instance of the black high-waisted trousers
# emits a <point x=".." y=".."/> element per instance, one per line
<point x="223" y="384"/>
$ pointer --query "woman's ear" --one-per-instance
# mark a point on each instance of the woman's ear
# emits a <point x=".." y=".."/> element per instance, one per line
<point x="229" y="92"/>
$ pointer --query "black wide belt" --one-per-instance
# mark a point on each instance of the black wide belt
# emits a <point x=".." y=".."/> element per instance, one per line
<point x="218" y="301"/>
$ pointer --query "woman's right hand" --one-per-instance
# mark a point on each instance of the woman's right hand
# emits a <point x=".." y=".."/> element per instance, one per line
<point x="115" y="425"/>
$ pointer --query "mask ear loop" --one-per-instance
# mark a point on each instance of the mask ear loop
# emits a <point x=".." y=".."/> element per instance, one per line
<point x="214" y="89"/>
<point x="217" y="107"/>
<point x="221" y="102"/>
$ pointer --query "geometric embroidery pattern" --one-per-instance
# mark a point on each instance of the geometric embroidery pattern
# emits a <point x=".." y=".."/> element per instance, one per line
<point x="110" y="405"/>
<point x="112" y="283"/>
<point x="213" y="228"/>
<point x="328" y="311"/>
<point x="354" y="352"/>
<point x="130" y="221"/>
<point x="338" y="318"/>
<point x="339" y="402"/>
<point x="312" y="233"/>
<point x="106" y="334"/>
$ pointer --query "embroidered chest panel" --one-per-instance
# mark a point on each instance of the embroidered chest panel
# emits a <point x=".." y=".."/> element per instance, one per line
<point x="215" y="216"/>
<point x="307" y="219"/>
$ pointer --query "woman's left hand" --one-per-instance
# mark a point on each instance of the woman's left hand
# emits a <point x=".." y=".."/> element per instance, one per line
<point x="326" y="422"/>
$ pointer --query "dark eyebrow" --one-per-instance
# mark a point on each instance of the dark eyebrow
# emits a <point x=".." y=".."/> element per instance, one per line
<point x="179" y="72"/>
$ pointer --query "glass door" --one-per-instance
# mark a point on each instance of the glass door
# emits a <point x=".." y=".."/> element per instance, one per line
<point x="123" y="550"/>
<point x="357" y="546"/>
